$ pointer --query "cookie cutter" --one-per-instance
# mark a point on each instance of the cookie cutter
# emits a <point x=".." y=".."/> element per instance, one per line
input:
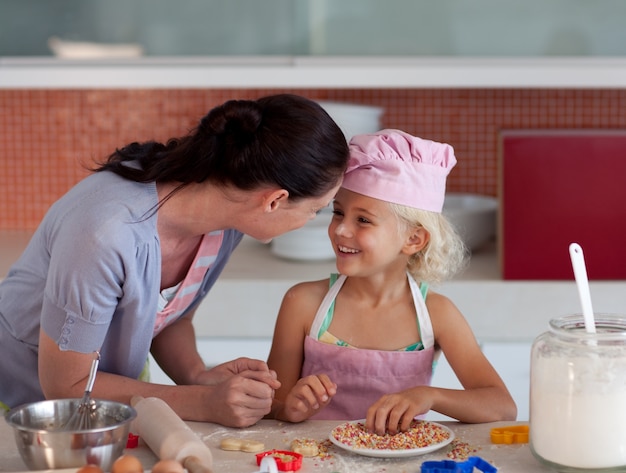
<point x="268" y="465"/>
<point x="285" y="460"/>
<point x="132" y="441"/>
<point x="510" y="434"/>
<point x="451" y="466"/>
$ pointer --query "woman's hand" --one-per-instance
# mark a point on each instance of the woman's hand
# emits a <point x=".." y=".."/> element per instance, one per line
<point x="243" y="391"/>
<point x="238" y="393"/>
<point x="309" y="395"/>
<point x="220" y="373"/>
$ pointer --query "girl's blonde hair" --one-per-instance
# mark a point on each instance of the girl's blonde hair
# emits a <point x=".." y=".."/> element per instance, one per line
<point x="444" y="255"/>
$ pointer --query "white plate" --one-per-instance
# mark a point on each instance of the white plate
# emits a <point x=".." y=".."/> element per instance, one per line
<point x="388" y="453"/>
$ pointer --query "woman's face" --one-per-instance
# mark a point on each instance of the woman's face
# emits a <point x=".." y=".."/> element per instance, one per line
<point x="366" y="235"/>
<point x="289" y="216"/>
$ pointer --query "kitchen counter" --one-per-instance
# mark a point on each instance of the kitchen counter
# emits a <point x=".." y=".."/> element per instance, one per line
<point x="245" y="300"/>
<point x="254" y="260"/>
<point x="515" y="458"/>
<point x="497" y="310"/>
<point x="313" y="72"/>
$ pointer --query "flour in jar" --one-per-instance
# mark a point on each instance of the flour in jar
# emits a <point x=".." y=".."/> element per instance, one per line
<point x="580" y="425"/>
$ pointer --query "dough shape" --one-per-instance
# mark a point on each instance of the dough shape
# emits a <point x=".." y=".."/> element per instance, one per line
<point x="252" y="446"/>
<point x="236" y="444"/>
<point x="305" y="447"/>
<point x="231" y="444"/>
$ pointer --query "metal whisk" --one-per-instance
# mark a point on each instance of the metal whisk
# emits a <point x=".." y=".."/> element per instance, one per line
<point x="82" y="417"/>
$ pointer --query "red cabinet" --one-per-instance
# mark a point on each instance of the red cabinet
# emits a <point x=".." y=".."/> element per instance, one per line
<point x="559" y="187"/>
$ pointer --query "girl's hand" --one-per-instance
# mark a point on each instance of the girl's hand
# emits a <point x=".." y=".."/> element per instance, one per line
<point x="393" y="413"/>
<point x="309" y="395"/>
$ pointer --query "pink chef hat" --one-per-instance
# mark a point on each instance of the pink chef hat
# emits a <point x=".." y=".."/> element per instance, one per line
<point x="393" y="166"/>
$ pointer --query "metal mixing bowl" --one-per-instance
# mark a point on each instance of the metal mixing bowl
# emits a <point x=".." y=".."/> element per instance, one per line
<point x="43" y="444"/>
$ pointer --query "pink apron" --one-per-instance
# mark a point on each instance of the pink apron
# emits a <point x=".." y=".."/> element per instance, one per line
<point x="187" y="290"/>
<point x="362" y="375"/>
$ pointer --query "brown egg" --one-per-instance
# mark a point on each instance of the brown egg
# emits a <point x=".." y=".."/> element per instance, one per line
<point x="168" y="466"/>
<point x="90" y="469"/>
<point x="127" y="464"/>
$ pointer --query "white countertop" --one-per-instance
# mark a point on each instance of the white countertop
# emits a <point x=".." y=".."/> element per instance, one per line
<point x="245" y="300"/>
<point x="313" y="72"/>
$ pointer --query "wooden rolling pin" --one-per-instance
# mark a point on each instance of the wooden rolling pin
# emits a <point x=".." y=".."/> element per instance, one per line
<point x="168" y="436"/>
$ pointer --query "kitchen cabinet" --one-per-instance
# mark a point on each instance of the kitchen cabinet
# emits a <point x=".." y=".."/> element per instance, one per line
<point x="322" y="27"/>
<point x="591" y="172"/>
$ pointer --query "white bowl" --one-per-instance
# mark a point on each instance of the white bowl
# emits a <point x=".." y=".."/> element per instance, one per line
<point x="88" y="50"/>
<point x="354" y="119"/>
<point x="473" y="216"/>
<point x="309" y="243"/>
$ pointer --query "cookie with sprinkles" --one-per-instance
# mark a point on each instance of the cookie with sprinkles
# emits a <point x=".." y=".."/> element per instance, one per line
<point x="305" y="447"/>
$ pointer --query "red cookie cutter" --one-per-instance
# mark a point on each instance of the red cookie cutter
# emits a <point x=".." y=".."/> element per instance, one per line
<point x="510" y="434"/>
<point x="133" y="441"/>
<point x="285" y="460"/>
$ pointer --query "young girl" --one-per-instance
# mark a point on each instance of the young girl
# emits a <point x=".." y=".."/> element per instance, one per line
<point x="363" y="344"/>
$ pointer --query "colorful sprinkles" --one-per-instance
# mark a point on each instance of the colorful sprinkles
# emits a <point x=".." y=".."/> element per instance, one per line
<point x="461" y="450"/>
<point x="324" y="449"/>
<point x="421" y="434"/>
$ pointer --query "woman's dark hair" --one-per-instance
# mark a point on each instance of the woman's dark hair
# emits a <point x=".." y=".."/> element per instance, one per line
<point x="281" y="140"/>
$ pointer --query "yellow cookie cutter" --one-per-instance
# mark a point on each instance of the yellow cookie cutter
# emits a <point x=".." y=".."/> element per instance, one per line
<point x="510" y="434"/>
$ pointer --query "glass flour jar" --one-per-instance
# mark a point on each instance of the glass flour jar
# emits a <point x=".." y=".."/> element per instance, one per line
<point x="578" y="395"/>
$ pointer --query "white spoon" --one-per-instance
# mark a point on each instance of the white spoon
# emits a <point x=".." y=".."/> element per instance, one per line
<point x="580" y="273"/>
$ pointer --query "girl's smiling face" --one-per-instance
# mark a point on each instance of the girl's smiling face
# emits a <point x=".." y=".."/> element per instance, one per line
<point x="366" y="235"/>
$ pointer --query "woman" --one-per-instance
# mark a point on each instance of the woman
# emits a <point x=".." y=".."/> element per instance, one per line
<point x="120" y="263"/>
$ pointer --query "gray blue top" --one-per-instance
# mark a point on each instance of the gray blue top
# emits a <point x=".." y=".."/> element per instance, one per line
<point x="90" y="279"/>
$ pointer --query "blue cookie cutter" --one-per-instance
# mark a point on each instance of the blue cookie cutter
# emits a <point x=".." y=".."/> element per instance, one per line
<point x="451" y="466"/>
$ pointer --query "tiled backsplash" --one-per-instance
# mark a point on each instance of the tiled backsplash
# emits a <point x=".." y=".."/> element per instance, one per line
<point x="49" y="137"/>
